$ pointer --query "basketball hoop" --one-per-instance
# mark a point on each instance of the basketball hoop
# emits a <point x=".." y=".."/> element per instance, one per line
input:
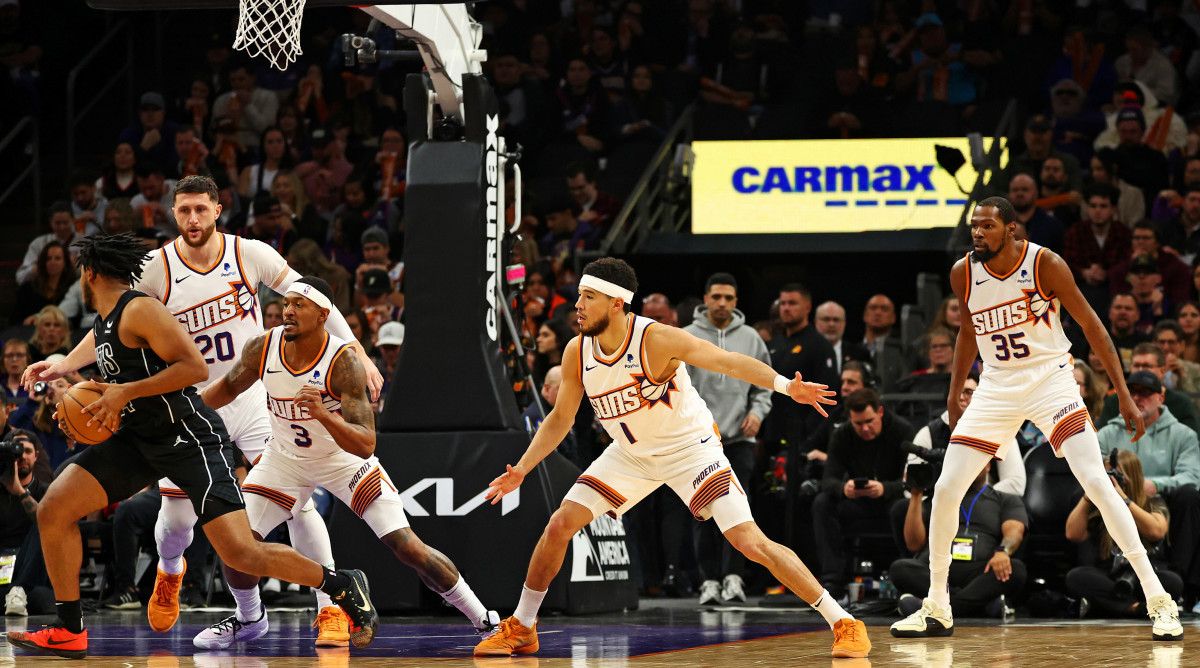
<point x="271" y="29"/>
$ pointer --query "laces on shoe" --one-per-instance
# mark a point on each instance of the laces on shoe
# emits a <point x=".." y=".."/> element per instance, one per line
<point x="848" y="632"/>
<point x="167" y="590"/>
<point x="230" y="624"/>
<point x="327" y="620"/>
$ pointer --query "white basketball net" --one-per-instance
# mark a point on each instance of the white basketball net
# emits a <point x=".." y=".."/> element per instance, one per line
<point x="271" y="29"/>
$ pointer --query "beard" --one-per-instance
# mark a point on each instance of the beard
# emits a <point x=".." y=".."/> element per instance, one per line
<point x="593" y="329"/>
<point x="986" y="254"/>
<point x="88" y="296"/>
<point x="204" y="236"/>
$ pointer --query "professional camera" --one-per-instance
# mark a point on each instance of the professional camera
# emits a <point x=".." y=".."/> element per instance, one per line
<point x="10" y="451"/>
<point x="1125" y="579"/>
<point x="922" y="476"/>
<point x="919" y="476"/>
<point x="40" y="389"/>
<point x="1114" y="469"/>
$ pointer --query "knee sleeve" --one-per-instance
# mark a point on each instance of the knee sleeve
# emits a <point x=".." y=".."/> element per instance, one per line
<point x="173" y="529"/>
<point x="310" y="536"/>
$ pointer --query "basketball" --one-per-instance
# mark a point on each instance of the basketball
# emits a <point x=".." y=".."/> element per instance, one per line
<point x="73" y="421"/>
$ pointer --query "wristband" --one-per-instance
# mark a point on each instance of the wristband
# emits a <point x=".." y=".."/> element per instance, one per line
<point x="1127" y="500"/>
<point x="781" y="384"/>
<point x="24" y="494"/>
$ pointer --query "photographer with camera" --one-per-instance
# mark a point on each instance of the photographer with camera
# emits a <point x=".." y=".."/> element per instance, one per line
<point x="37" y="415"/>
<point x="1169" y="457"/>
<point x="21" y="573"/>
<point x="1109" y="584"/>
<point x="990" y="529"/>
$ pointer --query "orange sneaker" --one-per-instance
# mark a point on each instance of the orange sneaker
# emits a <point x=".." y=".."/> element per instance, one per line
<point x="52" y="640"/>
<point x="163" y="608"/>
<point x="334" y="627"/>
<point x="511" y="638"/>
<point x="850" y="639"/>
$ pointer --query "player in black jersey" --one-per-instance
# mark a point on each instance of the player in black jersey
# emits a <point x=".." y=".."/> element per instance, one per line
<point x="149" y="365"/>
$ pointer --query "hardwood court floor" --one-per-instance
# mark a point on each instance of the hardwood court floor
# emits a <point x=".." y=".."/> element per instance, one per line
<point x="660" y="634"/>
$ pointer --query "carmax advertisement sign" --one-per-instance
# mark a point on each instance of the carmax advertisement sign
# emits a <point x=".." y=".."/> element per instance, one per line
<point x="825" y="185"/>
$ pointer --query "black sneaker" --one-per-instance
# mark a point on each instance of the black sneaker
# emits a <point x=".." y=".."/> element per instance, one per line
<point x="192" y="597"/>
<point x="126" y="599"/>
<point x="355" y="600"/>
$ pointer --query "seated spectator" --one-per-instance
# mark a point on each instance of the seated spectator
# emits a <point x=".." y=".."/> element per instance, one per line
<point x="532" y="417"/>
<point x="1180" y="374"/>
<point x="1169" y="129"/>
<point x="1082" y="56"/>
<point x="1169" y="202"/>
<point x="229" y="155"/>
<point x="267" y="224"/>
<point x="28" y="591"/>
<point x="376" y="303"/>
<point x="62" y="230"/>
<point x="251" y="109"/>
<point x="566" y="234"/>
<point x="1107" y="582"/>
<point x="1093" y="387"/>
<point x="1175" y="276"/>
<point x="155" y="199"/>
<point x="1076" y="125"/>
<point x="658" y="308"/>
<point x="939" y="350"/>
<point x="291" y="124"/>
<point x="360" y="201"/>
<point x="1123" y="314"/>
<point x="387" y="176"/>
<point x="882" y="344"/>
<point x="119" y="217"/>
<point x="52" y="278"/>
<point x="1182" y="233"/>
<point x="1169" y="458"/>
<point x="584" y="112"/>
<point x="272" y="313"/>
<point x="324" y="175"/>
<point x="260" y="175"/>
<point x="1148" y="357"/>
<point x="1039" y="145"/>
<point x="1040" y="227"/>
<point x="376" y="254"/>
<point x="643" y="113"/>
<point x="938" y="70"/>
<point x="1139" y="164"/>
<point x="597" y="208"/>
<point x="1144" y="63"/>
<point x="527" y="104"/>
<point x="192" y="152"/>
<point x="361" y="328"/>
<point x="863" y="475"/>
<point x="948" y="316"/>
<point x="1188" y="316"/>
<point x="301" y="215"/>
<point x="831" y="323"/>
<point x="51" y="334"/>
<point x="991" y="528"/>
<point x="552" y="338"/>
<point x="37" y="415"/>
<point x="852" y="108"/>
<point x="16" y="358"/>
<point x="1082" y="251"/>
<point x="855" y="376"/>
<point x="1054" y="195"/>
<point x="542" y="299"/>
<point x="875" y="67"/>
<point x="932" y="380"/>
<point x="305" y="257"/>
<point x="1131" y="203"/>
<point x="390" y="338"/>
<point x="119" y="179"/>
<point x="1146" y="281"/>
<point x="152" y="135"/>
<point x="87" y="206"/>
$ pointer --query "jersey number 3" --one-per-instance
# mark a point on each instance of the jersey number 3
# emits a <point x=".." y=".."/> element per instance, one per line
<point x="1010" y="347"/>
<point x="303" y="440"/>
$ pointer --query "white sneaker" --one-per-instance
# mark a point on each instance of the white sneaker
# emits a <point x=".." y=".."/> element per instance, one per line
<point x="230" y="631"/>
<point x="1165" y="614"/>
<point x="733" y="589"/>
<point x="491" y="624"/>
<point x="710" y="592"/>
<point x="931" y="621"/>
<point x="15" y="603"/>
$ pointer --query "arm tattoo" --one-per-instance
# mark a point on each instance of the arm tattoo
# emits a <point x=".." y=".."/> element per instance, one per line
<point x="30" y="505"/>
<point x="245" y="368"/>
<point x="349" y="381"/>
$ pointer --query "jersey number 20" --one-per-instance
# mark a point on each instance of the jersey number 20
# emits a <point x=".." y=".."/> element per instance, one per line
<point x="222" y="342"/>
<point x="1010" y="347"/>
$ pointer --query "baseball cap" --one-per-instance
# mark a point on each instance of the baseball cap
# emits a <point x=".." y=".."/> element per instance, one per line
<point x="264" y="206"/>
<point x="149" y="99"/>
<point x="928" y="19"/>
<point x="376" y="235"/>
<point x="1144" y="264"/>
<point x="376" y="282"/>
<point x="1131" y="114"/>
<point x="390" y="334"/>
<point x="321" y="137"/>
<point x="1145" y="379"/>
<point x="1039" y="123"/>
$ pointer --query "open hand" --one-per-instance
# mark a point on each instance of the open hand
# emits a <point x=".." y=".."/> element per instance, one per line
<point x="813" y="394"/>
<point x="505" y="483"/>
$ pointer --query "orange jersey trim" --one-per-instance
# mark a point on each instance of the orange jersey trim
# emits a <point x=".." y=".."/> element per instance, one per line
<point x="967" y="292"/>
<point x="1069" y="426"/>
<point x="977" y="444"/>
<point x="621" y="352"/>
<point x="712" y="489"/>
<point x="167" y="270"/>
<point x="1024" y="251"/>
<point x="333" y="361"/>
<point x="610" y="495"/>
<point x="369" y="489"/>
<point x="312" y="365"/>
<point x="274" y="496"/>
<point x="237" y="253"/>
<point x="262" y="360"/>
<point x="1037" y="276"/>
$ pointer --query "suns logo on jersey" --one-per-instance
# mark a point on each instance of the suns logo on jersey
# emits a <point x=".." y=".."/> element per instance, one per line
<point x="639" y="394"/>
<point x="237" y="303"/>
<point x="1012" y="314"/>
<point x="288" y="410"/>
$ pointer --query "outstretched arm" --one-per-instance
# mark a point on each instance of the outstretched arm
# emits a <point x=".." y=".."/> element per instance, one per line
<point x="246" y="370"/>
<point x="354" y="429"/>
<point x="553" y="429"/>
<point x="1055" y="276"/>
<point x="665" y="343"/>
<point x="81" y="356"/>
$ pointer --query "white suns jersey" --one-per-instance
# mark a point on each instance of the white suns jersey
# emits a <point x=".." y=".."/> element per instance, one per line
<point x="1016" y="321"/>
<point x="644" y="417"/>
<point x="294" y="432"/>
<point x="217" y="305"/>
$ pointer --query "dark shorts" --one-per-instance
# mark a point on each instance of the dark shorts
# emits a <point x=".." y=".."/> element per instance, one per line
<point x="195" y="453"/>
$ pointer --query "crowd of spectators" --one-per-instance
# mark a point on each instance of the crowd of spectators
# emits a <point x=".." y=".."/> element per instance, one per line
<point x="1106" y="172"/>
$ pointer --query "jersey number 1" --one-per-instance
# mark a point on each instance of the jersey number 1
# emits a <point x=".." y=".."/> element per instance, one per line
<point x="1009" y="347"/>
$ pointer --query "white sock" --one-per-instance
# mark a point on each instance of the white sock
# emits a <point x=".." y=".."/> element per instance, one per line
<point x="960" y="468"/>
<point x="461" y="597"/>
<point x="527" y="608"/>
<point x="249" y="607"/>
<point x="1082" y="452"/>
<point x="828" y="606"/>
<point x="310" y="537"/>
<point x="173" y="533"/>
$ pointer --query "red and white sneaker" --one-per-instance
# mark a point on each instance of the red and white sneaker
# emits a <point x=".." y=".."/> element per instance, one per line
<point x="51" y="640"/>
